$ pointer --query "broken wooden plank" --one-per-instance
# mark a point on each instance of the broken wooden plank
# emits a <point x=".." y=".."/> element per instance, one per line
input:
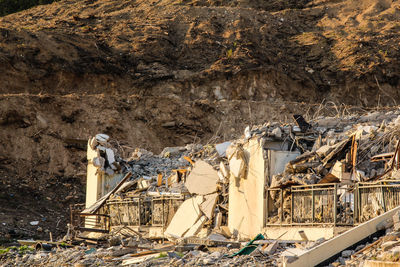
<point x="382" y="157"/>
<point x="336" y="151"/>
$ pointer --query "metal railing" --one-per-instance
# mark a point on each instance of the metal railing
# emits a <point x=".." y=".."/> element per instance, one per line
<point x="374" y="199"/>
<point x="320" y="204"/>
<point x="137" y="211"/>
<point x="86" y="222"/>
<point x="133" y="211"/>
<point x="277" y="211"/>
<point x="163" y="208"/>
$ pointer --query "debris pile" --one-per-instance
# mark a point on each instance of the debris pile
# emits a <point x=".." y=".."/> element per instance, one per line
<point x="189" y="191"/>
<point x="205" y="199"/>
<point x="133" y="254"/>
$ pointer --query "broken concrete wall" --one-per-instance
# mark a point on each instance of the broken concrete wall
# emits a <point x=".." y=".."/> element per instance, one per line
<point x="246" y="193"/>
<point x="92" y="180"/>
<point x="100" y="179"/>
<point x="277" y="161"/>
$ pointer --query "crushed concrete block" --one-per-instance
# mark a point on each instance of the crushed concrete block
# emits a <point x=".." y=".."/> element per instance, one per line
<point x="109" y="171"/>
<point x="221" y="148"/>
<point x="185" y="217"/>
<point x="99" y="162"/>
<point x="271" y="248"/>
<point x="208" y="206"/>
<point x="202" y="179"/>
<point x="224" y="169"/>
<point x="196" y="227"/>
<point x="110" y="156"/>
<point x="217" y="237"/>
<point x="396" y="217"/>
<point x="384" y="224"/>
<point x="237" y="164"/>
<point x="277" y="132"/>
<point x="347" y="253"/>
<point x="389" y="244"/>
<point x="102" y="138"/>
<point x="225" y="231"/>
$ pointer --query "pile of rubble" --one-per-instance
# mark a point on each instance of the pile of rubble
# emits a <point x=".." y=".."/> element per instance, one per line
<point x="128" y="256"/>
<point x="173" y="173"/>
<point x="325" y="150"/>
<point x="205" y="199"/>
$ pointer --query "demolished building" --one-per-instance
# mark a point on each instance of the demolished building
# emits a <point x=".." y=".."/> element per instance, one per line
<point x="329" y="172"/>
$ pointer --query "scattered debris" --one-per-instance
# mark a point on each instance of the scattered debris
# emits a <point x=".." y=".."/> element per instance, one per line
<point x="205" y="199"/>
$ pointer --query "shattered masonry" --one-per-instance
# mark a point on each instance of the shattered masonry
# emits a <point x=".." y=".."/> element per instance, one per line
<point x="321" y="172"/>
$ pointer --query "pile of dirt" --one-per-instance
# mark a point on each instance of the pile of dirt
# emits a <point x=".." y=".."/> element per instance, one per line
<point x="168" y="73"/>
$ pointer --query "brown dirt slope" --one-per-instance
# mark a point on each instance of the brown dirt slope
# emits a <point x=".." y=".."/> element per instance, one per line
<point x="345" y="50"/>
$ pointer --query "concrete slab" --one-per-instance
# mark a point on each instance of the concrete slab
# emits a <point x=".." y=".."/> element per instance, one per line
<point x="196" y="227"/>
<point x="93" y="188"/>
<point x="185" y="217"/>
<point x="246" y="194"/>
<point x="223" y="168"/>
<point x="221" y="148"/>
<point x="202" y="180"/>
<point x="292" y="233"/>
<point x="208" y="206"/>
<point x="335" y="245"/>
<point x="279" y="159"/>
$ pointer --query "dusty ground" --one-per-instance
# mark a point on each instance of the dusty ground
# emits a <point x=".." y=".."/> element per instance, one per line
<point x="166" y="73"/>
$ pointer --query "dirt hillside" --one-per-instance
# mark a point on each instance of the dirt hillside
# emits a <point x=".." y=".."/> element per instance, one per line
<point x="167" y="73"/>
<point x="344" y="51"/>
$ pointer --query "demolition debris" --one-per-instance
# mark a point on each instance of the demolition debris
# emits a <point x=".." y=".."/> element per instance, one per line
<point x="271" y="197"/>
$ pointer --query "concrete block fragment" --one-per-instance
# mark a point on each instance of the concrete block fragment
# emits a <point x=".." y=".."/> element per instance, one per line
<point x="110" y="156"/>
<point x="271" y="248"/>
<point x="225" y="231"/>
<point x="195" y="228"/>
<point x="224" y="169"/>
<point x="98" y="162"/>
<point x="202" y="179"/>
<point x="389" y="244"/>
<point x="347" y="253"/>
<point x="396" y="227"/>
<point x="102" y="138"/>
<point x="217" y="237"/>
<point x="396" y="217"/>
<point x="277" y="132"/>
<point x="185" y="217"/>
<point x="221" y="148"/>
<point x="385" y="224"/>
<point x="208" y="206"/>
